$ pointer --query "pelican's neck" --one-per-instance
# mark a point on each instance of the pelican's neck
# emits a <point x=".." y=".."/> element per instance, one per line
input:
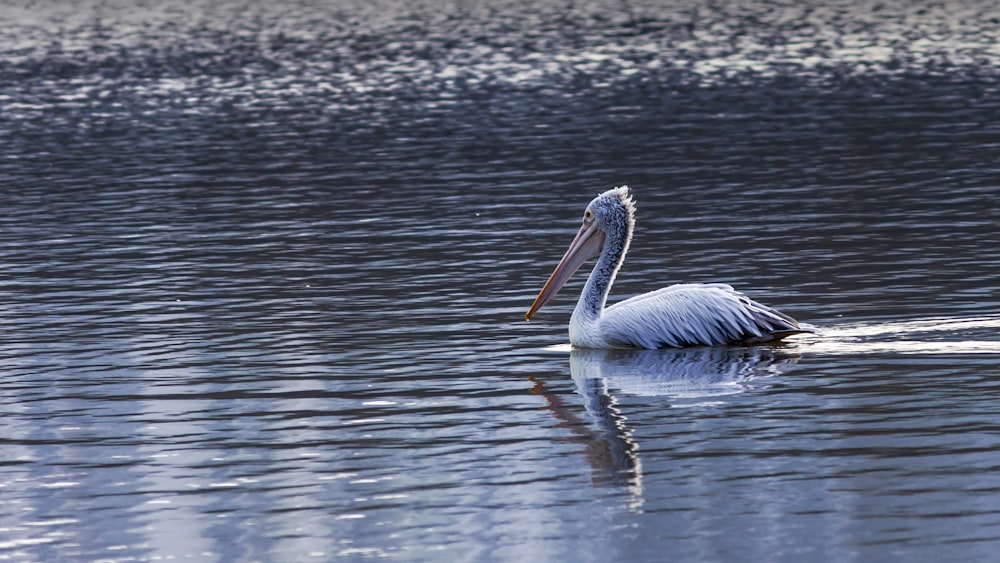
<point x="595" y="292"/>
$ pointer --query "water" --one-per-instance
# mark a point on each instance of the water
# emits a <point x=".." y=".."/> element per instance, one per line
<point x="265" y="267"/>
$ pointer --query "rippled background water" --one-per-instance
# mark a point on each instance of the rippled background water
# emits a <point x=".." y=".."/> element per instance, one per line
<point x="264" y="267"/>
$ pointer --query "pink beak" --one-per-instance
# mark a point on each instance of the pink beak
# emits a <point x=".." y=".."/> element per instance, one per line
<point x="586" y="245"/>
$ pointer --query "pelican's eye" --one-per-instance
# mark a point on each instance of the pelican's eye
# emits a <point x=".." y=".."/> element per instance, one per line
<point x="588" y="215"/>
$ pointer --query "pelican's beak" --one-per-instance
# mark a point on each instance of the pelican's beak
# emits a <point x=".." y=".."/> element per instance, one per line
<point x="586" y="245"/>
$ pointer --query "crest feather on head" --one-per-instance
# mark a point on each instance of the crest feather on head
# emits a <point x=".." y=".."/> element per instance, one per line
<point x="625" y="197"/>
<point x="621" y="196"/>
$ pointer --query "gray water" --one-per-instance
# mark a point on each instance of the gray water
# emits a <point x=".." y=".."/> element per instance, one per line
<point x="263" y="271"/>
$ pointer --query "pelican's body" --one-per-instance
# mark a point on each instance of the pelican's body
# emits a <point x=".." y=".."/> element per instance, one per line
<point x="672" y="317"/>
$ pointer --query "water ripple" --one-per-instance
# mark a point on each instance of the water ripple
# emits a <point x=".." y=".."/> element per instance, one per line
<point x="265" y="268"/>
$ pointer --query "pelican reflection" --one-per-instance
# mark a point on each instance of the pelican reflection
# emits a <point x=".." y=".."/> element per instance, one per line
<point x="685" y="373"/>
<point x="681" y="374"/>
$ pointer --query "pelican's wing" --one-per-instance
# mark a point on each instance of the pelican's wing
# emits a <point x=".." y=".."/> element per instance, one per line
<point x="691" y="315"/>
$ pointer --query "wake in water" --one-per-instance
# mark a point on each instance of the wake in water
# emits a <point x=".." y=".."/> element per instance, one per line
<point x="942" y="335"/>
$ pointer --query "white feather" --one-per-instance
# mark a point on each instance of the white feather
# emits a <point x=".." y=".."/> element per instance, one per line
<point x="690" y="315"/>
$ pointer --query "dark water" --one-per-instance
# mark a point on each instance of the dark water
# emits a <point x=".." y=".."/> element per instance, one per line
<point x="264" y="267"/>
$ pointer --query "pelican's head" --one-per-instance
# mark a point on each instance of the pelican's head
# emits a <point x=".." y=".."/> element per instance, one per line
<point x="612" y="212"/>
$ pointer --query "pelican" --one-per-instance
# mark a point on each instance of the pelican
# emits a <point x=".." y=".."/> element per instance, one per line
<point x="681" y="315"/>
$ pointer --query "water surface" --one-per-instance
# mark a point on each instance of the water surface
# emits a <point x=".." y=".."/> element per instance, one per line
<point x="265" y="268"/>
